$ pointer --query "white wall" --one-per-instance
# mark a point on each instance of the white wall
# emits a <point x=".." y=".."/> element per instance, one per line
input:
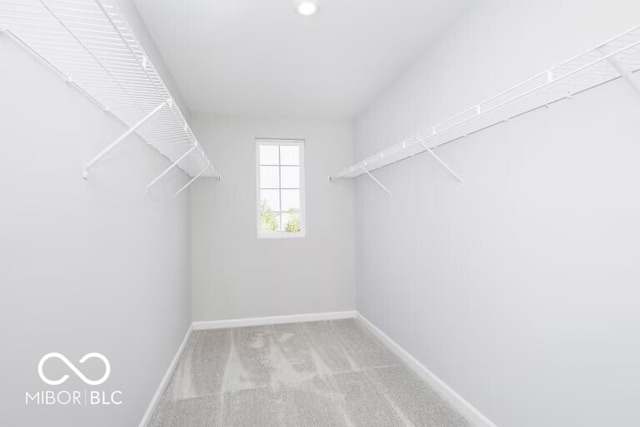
<point x="86" y="266"/>
<point x="518" y="289"/>
<point x="235" y="275"/>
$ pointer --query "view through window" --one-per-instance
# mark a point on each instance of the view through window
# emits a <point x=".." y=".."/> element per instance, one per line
<point x="280" y="178"/>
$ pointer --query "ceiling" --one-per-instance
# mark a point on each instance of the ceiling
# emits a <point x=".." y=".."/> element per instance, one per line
<point x="259" y="57"/>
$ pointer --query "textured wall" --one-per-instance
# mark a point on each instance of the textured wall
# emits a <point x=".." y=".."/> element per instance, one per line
<point x="87" y="266"/>
<point x="518" y="288"/>
<point x="236" y="275"/>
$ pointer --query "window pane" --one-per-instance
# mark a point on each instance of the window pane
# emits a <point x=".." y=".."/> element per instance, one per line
<point x="290" y="177"/>
<point x="290" y="200"/>
<point x="289" y="155"/>
<point x="269" y="177"/>
<point x="269" y="200"/>
<point x="291" y="222"/>
<point x="269" y="222"/>
<point x="269" y="155"/>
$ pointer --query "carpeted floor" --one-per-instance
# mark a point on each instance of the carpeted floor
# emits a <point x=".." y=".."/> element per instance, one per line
<point x="324" y="374"/>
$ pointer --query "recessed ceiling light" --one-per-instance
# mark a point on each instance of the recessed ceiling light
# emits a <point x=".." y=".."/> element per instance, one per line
<point x="307" y="8"/>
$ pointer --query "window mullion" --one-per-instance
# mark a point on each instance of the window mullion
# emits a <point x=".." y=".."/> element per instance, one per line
<point x="280" y="184"/>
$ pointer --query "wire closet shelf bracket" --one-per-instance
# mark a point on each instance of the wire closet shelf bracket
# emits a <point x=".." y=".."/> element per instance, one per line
<point x="91" y="46"/>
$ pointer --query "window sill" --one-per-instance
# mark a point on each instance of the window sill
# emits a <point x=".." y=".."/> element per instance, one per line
<point x="284" y="236"/>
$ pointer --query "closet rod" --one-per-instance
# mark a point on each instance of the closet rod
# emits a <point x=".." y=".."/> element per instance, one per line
<point x="578" y="75"/>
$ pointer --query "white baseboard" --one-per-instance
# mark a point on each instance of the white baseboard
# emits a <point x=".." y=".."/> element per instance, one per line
<point x="273" y="320"/>
<point x="165" y="380"/>
<point x="463" y="407"/>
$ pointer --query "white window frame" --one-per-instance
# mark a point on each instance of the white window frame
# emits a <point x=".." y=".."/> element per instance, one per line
<point x="303" y="223"/>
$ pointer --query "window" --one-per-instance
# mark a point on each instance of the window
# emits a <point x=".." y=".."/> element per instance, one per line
<point x="280" y="178"/>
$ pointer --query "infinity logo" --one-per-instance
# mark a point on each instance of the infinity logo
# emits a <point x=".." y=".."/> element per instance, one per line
<point x="80" y="375"/>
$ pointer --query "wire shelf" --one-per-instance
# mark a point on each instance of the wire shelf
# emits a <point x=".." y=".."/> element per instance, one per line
<point x="616" y="58"/>
<point x="89" y="43"/>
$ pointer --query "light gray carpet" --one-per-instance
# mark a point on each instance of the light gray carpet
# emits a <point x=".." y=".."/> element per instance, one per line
<point x="322" y="374"/>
